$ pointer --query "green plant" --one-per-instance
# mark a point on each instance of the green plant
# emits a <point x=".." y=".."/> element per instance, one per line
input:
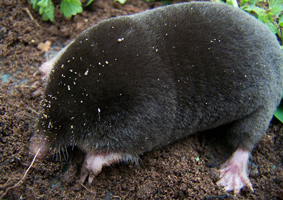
<point x="121" y="1"/>
<point x="279" y="112"/>
<point x="270" y="12"/>
<point x="267" y="11"/>
<point x="165" y="2"/>
<point x="67" y="7"/>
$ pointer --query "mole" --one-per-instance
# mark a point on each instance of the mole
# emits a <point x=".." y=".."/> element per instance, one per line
<point x="135" y="83"/>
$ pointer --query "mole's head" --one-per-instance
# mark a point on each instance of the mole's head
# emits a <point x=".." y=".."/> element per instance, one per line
<point x="69" y="110"/>
<point x="49" y="136"/>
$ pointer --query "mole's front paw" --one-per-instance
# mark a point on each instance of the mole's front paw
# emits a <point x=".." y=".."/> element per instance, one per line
<point x="43" y="71"/>
<point x="94" y="162"/>
<point x="233" y="172"/>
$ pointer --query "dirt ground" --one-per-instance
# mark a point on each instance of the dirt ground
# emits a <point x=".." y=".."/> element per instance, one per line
<point x="184" y="170"/>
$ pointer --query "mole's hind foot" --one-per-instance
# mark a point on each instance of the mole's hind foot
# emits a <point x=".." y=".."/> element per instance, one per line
<point x="233" y="172"/>
<point x="94" y="162"/>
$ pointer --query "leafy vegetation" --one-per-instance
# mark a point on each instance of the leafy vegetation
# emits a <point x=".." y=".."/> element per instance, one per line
<point x="67" y="7"/>
<point x="121" y="1"/>
<point x="268" y="11"/>
<point x="279" y="112"/>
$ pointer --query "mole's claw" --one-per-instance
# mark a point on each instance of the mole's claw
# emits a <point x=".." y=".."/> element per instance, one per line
<point x="84" y="174"/>
<point x="94" y="162"/>
<point x="90" y="178"/>
<point x="37" y="92"/>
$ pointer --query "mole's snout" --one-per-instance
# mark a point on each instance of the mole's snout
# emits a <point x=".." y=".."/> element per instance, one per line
<point x="39" y="144"/>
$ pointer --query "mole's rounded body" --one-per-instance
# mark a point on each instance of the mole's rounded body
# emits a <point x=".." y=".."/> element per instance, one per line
<point x="134" y="83"/>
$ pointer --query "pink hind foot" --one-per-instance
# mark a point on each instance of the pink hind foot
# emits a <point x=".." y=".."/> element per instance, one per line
<point x="233" y="172"/>
<point x="94" y="163"/>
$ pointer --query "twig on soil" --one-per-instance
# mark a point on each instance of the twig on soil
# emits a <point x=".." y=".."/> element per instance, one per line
<point x="21" y="180"/>
<point x="92" y="192"/>
<point x="5" y="184"/>
<point x="31" y="17"/>
<point x="34" y="111"/>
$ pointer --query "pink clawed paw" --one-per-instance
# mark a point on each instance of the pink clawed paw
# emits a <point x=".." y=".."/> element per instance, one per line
<point x="94" y="163"/>
<point x="233" y="173"/>
<point x="43" y="71"/>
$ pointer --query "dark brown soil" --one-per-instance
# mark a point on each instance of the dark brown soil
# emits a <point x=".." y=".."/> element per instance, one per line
<point x="184" y="170"/>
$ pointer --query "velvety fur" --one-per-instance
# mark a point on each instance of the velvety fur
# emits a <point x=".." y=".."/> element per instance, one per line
<point x="134" y="83"/>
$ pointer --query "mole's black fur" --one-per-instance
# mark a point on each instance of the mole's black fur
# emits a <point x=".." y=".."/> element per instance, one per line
<point x="134" y="83"/>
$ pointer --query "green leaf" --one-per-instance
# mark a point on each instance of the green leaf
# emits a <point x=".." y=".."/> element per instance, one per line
<point x="275" y="11"/>
<point x="279" y="112"/>
<point x="233" y="3"/>
<point x="42" y="3"/>
<point x="280" y="23"/>
<point x="275" y="7"/>
<point x="70" y="7"/>
<point x="120" y="1"/>
<point x="271" y="27"/>
<point x="250" y="2"/>
<point x="88" y="3"/>
<point x="48" y="13"/>
<point x="219" y="1"/>
<point x="46" y="9"/>
<point x="34" y="4"/>
<point x="275" y="3"/>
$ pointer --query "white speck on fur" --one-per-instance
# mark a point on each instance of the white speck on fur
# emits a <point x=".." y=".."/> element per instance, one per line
<point x="120" y="39"/>
<point x="86" y="72"/>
